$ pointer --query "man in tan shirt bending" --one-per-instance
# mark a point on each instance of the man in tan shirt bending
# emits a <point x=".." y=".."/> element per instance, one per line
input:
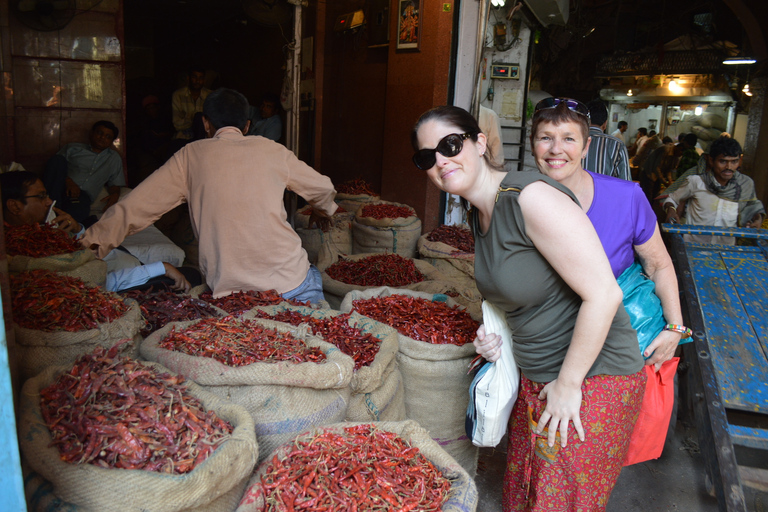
<point x="234" y="188"/>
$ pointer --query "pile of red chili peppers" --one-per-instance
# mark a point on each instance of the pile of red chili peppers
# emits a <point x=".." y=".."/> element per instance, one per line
<point x="362" y="347"/>
<point x="455" y="236"/>
<point x="38" y="241"/>
<point x="47" y="301"/>
<point x="238" y="303"/>
<point x="378" y="270"/>
<point x="421" y="319"/>
<point x="115" y="412"/>
<point x="386" y="211"/>
<point x="363" y="469"/>
<point x="239" y="343"/>
<point x="355" y="187"/>
<point x="163" y="306"/>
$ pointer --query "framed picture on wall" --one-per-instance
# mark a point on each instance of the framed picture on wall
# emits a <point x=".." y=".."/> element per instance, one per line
<point x="408" y="25"/>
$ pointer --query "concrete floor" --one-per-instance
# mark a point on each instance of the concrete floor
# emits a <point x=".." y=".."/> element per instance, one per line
<point x="675" y="482"/>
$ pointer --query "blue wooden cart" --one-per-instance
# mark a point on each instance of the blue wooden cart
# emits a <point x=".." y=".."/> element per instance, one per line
<point x="725" y="301"/>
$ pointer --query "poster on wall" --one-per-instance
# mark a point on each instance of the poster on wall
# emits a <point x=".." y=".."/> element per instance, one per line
<point x="408" y="24"/>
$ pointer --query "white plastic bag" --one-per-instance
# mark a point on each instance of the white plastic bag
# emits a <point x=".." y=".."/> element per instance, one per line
<point x="494" y="389"/>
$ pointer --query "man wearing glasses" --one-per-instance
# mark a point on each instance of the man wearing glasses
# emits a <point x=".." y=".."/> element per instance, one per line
<point x="26" y="202"/>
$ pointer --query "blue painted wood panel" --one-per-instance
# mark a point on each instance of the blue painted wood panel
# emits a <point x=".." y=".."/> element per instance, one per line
<point x="732" y="286"/>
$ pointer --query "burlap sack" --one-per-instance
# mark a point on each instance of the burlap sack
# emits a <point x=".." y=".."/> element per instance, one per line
<point x="37" y="350"/>
<point x="398" y="236"/>
<point x="216" y="485"/>
<point x="335" y="291"/>
<point x="353" y="202"/>
<point x="283" y="398"/>
<point x="436" y="382"/>
<point x="446" y="258"/>
<point x="82" y="264"/>
<point x="463" y="494"/>
<point x="339" y="237"/>
<point x="377" y="391"/>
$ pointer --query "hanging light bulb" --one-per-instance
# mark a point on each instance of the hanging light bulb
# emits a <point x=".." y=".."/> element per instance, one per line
<point x="629" y="92"/>
<point x="698" y="110"/>
<point x="746" y="90"/>
<point x="674" y="87"/>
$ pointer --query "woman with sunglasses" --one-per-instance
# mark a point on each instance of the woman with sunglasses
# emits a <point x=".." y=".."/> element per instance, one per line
<point x="538" y="257"/>
<point x="618" y="209"/>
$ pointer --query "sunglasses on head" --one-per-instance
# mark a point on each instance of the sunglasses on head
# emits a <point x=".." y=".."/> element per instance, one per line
<point x="450" y="145"/>
<point x="573" y="105"/>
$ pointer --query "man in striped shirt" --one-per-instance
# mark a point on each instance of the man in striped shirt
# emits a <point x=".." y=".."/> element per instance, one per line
<point x="606" y="154"/>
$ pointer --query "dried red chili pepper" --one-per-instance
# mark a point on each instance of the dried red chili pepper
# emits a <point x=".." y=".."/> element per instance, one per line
<point x="377" y="270"/>
<point x="355" y="187"/>
<point x="386" y="211"/>
<point x="455" y="236"/>
<point x="359" y="345"/>
<point x="115" y="412"/>
<point x="239" y="343"/>
<point x="163" y="306"/>
<point x="361" y="468"/>
<point x="38" y="241"/>
<point x="47" y="301"/>
<point x="420" y="319"/>
<point x="238" y="303"/>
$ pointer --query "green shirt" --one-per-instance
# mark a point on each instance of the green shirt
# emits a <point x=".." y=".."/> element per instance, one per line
<point x="541" y="308"/>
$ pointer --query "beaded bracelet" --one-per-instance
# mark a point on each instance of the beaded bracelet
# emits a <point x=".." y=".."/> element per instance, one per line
<point x="685" y="331"/>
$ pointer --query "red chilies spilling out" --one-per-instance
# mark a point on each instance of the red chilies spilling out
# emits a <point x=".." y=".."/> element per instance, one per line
<point x="455" y="236"/>
<point x="238" y="303"/>
<point x="163" y="306"/>
<point x="47" y="301"/>
<point x="421" y="319"/>
<point x="115" y="412"/>
<point x="239" y="343"/>
<point x="363" y="469"/>
<point x="38" y="241"/>
<point x="355" y="187"/>
<point x="386" y="211"/>
<point x="360" y="346"/>
<point x="378" y="270"/>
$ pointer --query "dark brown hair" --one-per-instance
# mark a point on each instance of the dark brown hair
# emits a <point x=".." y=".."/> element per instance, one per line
<point x="558" y="115"/>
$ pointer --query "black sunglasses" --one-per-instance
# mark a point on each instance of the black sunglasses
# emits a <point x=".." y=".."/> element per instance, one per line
<point x="450" y="145"/>
<point x="573" y="105"/>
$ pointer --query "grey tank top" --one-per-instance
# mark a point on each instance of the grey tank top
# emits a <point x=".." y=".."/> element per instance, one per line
<point x="541" y="308"/>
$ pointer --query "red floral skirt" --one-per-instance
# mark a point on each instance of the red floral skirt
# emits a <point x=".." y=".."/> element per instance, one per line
<point x="581" y="476"/>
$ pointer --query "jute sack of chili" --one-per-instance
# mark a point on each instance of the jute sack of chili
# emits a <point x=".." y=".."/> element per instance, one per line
<point x="239" y="303"/>
<point x="283" y="397"/>
<point x="345" y="273"/>
<point x="58" y="318"/>
<point x="384" y="227"/>
<point x="339" y="236"/>
<point x="434" y="373"/>
<point x="457" y="260"/>
<point x="377" y="388"/>
<point x="376" y="466"/>
<point x="215" y="485"/>
<point x="353" y="194"/>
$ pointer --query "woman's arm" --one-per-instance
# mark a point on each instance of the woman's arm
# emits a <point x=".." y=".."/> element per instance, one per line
<point x="658" y="266"/>
<point x="563" y="234"/>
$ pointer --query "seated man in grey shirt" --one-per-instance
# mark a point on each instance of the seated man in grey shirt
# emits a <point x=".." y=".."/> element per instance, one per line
<point x="77" y="173"/>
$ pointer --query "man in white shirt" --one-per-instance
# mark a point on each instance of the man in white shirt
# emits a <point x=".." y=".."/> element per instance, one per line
<point x="619" y="132"/>
<point x="720" y="196"/>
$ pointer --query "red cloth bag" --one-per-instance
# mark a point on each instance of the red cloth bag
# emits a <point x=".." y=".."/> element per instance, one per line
<point x="647" y="440"/>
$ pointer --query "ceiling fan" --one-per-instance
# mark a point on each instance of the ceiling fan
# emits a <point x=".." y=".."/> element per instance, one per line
<point x="45" y="15"/>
